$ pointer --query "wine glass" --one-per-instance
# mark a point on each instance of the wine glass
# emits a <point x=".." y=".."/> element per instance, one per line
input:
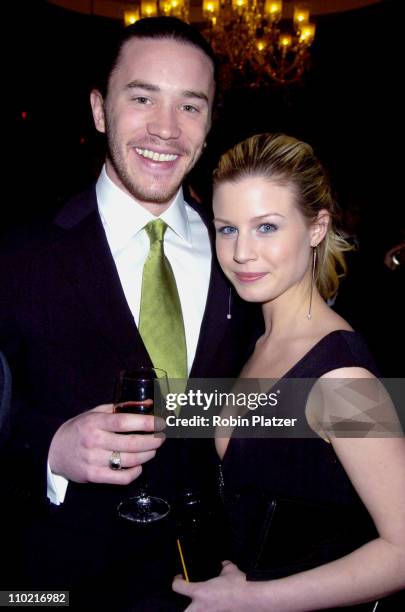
<point x="137" y="392"/>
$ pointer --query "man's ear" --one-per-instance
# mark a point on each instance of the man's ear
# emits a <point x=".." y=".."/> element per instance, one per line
<point x="97" y="107"/>
<point x="319" y="227"/>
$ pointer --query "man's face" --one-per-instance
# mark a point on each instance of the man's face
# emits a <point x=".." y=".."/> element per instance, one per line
<point x="156" y="116"/>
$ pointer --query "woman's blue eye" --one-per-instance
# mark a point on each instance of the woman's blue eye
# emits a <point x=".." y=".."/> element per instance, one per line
<point x="227" y="230"/>
<point x="267" y="228"/>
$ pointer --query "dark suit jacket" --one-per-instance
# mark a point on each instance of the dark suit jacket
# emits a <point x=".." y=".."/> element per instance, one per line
<point x="67" y="331"/>
<point x="5" y="393"/>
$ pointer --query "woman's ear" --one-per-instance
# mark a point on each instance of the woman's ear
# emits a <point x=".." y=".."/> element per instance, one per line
<point x="319" y="227"/>
<point x="97" y="106"/>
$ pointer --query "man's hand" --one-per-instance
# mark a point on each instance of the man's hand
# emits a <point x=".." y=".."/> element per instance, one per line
<point x="81" y="448"/>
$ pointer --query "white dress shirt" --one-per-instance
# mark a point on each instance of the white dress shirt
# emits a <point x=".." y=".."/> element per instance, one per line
<point x="187" y="247"/>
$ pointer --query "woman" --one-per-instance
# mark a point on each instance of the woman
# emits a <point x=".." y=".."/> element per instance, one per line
<point x="277" y="243"/>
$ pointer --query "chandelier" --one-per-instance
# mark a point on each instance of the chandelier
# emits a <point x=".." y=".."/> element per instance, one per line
<point x="252" y="40"/>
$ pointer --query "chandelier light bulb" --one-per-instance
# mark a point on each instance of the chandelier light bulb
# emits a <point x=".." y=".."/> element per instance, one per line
<point x="285" y="41"/>
<point x="273" y="9"/>
<point x="148" y="8"/>
<point x="210" y="6"/>
<point x="301" y="16"/>
<point x="131" y="17"/>
<point x="239" y="4"/>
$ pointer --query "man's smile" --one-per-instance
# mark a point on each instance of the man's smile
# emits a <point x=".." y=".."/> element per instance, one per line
<point x="154" y="156"/>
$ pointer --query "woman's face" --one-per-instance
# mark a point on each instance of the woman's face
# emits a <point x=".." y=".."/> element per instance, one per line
<point x="263" y="241"/>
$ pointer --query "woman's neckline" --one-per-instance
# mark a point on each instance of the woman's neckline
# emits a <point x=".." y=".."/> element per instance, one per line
<point x="315" y="346"/>
<point x="299" y="363"/>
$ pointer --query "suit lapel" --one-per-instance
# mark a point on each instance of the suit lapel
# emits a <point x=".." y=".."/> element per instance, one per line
<point x="215" y="322"/>
<point x="85" y="258"/>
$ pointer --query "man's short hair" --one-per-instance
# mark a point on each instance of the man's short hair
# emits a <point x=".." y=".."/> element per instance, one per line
<point x="150" y="27"/>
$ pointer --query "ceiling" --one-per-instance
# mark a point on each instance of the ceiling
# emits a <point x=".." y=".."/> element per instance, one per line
<point x="115" y="8"/>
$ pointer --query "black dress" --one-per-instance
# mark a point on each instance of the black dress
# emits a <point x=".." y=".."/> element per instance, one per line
<point x="289" y="503"/>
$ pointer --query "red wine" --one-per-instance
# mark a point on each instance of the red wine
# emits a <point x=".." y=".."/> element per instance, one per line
<point x="142" y="407"/>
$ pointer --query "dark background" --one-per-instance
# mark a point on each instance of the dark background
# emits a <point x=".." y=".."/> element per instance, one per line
<point x="348" y="108"/>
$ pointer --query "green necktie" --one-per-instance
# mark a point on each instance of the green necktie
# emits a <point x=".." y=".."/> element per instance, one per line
<point x="161" y="321"/>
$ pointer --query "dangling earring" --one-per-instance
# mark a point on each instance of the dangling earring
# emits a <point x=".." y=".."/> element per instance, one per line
<point x="309" y="315"/>
<point x="229" y="316"/>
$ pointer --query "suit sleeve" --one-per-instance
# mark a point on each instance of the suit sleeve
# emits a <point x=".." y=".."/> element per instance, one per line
<point x="24" y="452"/>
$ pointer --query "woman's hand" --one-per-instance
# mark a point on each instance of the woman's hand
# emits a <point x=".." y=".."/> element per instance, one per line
<point x="229" y="592"/>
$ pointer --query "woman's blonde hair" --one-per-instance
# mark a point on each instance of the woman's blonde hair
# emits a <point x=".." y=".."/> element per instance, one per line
<point x="291" y="163"/>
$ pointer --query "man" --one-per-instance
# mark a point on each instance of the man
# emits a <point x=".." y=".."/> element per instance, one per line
<point x="70" y="322"/>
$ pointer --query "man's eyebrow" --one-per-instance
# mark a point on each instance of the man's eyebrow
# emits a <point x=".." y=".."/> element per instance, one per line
<point x="195" y="94"/>
<point x="188" y="93"/>
<point x="142" y="85"/>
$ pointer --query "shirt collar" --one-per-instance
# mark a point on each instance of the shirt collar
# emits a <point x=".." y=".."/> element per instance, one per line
<point x="123" y="217"/>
